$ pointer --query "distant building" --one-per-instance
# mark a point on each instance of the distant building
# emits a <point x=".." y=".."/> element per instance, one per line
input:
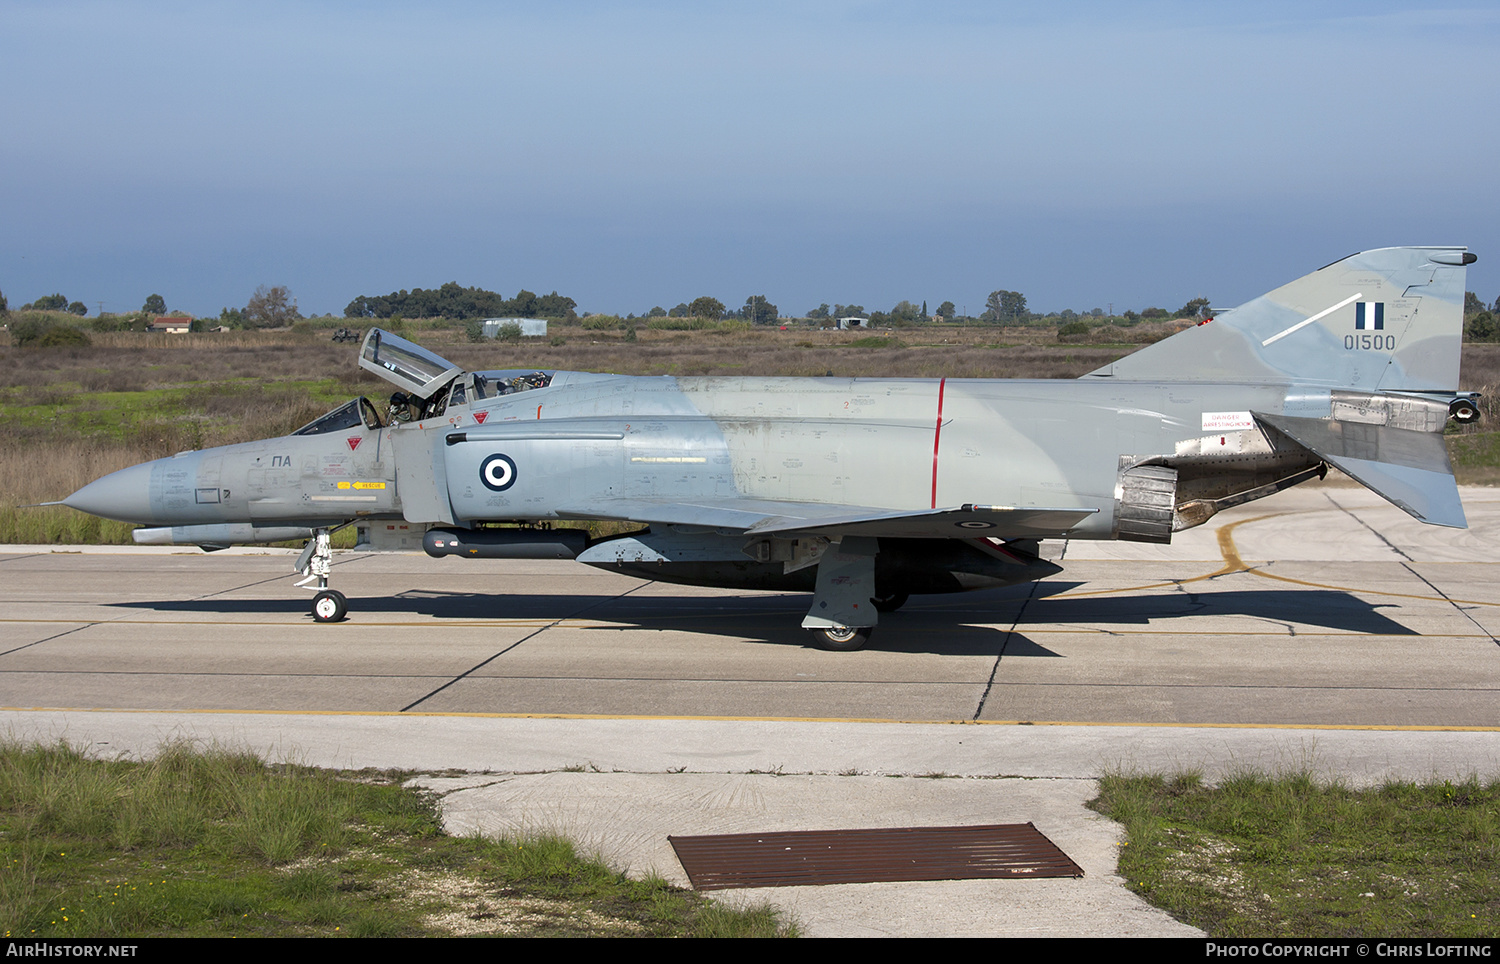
<point x="854" y="321"/>
<point x="530" y="327"/>
<point x="171" y="324"/>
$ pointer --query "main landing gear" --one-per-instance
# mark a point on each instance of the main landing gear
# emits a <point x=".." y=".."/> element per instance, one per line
<point x="844" y="612"/>
<point x="315" y="563"/>
<point x="843" y="639"/>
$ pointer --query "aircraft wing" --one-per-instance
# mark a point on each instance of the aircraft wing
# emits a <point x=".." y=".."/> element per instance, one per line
<point x="771" y="517"/>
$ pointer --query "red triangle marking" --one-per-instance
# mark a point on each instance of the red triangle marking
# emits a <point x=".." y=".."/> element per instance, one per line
<point x="479" y="417"/>
<point x="353" y="442"/>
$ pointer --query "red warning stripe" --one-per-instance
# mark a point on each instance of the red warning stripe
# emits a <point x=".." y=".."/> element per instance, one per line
<point x="937" y="435"/>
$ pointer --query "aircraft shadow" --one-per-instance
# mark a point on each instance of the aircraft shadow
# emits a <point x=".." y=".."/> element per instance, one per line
<point x="984" y="622"/>
<point x="1329" y="609"/>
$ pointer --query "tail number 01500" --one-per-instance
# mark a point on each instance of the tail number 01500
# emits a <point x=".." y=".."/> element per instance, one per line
<point x="1370" y="342"/>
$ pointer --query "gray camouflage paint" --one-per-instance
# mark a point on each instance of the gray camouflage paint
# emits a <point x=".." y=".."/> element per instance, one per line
<point x="1227" y="409"/>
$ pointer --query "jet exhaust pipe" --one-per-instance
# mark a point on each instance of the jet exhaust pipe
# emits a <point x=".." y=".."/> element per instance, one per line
<point x="505" y="543"/>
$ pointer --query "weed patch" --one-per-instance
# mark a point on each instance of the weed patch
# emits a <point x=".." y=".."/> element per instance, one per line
<point x="1286" y="856"/>
<point x="216" y="843"/>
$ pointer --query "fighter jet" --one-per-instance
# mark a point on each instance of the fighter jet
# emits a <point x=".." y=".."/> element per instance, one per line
<point x="860" y="491"/>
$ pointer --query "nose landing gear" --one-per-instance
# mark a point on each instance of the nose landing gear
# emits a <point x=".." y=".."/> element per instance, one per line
<point x="316" y="563"/>
<point x="330" y="606"/>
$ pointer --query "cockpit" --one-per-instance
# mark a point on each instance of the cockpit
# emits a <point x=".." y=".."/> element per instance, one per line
<point x="428" y="384"/>
<point x="478" y="386"/>
<point x="351" y="414"/>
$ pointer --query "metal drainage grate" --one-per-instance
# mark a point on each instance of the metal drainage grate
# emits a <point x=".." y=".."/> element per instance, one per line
<point x="866" y="856"/>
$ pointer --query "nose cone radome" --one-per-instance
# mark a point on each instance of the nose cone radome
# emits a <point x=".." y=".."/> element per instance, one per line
<point x="124" y="495"/>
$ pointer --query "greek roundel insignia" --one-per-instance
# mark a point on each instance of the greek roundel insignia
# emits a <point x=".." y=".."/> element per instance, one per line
<point x="497" y="472"/>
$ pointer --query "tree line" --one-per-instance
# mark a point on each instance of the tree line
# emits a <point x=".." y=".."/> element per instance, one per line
<point x="1480" y="322"/>
<point x="275" y="307"/>
<point x="460" y="304"/>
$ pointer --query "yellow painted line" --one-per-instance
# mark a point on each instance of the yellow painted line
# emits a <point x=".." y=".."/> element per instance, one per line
<point x="1233" y="564"/>
<point x="347" y="624"/>
<point x="1368" y="592"/>
<point x="1165" y="631"/>
<point x="1382" y="727"/>
<point x="1227" y="547"/>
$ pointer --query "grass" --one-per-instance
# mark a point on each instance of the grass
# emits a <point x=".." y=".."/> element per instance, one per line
<point x="215" y="843"/>
<point x="1287" y="856"/>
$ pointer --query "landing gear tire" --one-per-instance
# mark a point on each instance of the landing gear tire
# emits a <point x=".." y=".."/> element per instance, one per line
<point x="891" y="603"/>
<point x="844" y="639"/>
<point x="329" y="606"/>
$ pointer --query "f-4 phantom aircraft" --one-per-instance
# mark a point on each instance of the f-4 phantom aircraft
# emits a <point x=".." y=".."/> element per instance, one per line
<point x="861" y="491"/>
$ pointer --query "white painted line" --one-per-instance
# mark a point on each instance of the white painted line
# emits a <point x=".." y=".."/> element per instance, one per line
<point x="1303" y="324"/>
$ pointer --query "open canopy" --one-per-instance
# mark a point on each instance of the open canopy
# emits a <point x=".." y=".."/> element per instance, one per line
<point x="407" y="365"/>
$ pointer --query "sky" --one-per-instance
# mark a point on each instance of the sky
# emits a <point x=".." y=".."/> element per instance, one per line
<point x="634" y="154"/>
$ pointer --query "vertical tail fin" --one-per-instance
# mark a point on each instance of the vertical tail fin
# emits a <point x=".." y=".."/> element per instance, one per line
<point x="1390" y="319"/>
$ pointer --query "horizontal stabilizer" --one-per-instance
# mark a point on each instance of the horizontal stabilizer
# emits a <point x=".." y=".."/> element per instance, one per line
<point x="769" y="517"/>
<point x="1406" y="467"/>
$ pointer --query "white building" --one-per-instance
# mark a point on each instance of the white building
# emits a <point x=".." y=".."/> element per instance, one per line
<point x="530" y="327"/>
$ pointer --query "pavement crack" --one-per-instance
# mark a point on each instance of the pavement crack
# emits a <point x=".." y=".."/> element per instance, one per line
<point x="45" y="639"/>
<point x="1010" y="633"/>
<point x="1467" y="615"/>
<point x="445" y="794"/>
<point x="532" y="635"/>
<point x="1368" y="528"/>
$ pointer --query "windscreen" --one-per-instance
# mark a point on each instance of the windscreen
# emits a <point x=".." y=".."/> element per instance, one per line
<point x="351" y="414"/>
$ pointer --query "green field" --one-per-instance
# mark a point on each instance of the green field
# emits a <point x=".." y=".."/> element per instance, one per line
<point x="218" y="844"/>
<point x="1288" y="856"/>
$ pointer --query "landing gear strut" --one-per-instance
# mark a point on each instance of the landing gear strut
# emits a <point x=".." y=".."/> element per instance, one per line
<point x="315" y="563"/>
<point x="842" y="614"/>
